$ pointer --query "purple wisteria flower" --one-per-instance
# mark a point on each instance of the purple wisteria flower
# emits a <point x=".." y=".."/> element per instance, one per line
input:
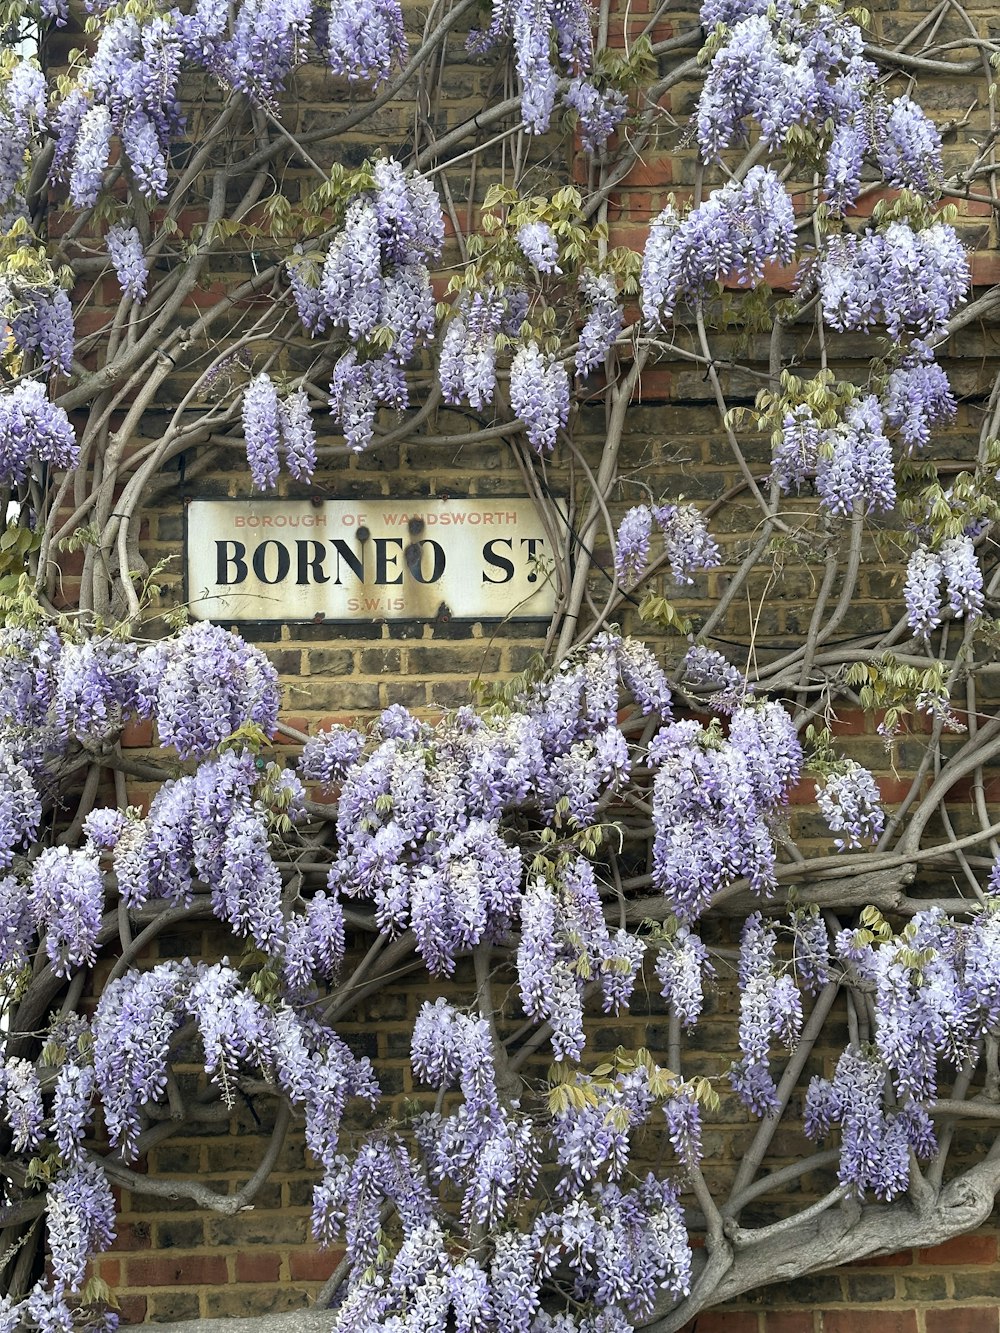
<point x="33" y="431"/>
<point x="869" y="280"/>
<point x="126" y="253"/>
<point x="711" y="802"/>
<point x="43" y="322"/>
<point x="539" y="246"/>
<point x="796" y="455"/>
<point x="908" y="148"/>
<point x="67" y="900"/>
<point x="683" y="966"/>
<point x="923" y="591"/>
<point x="850" y="803"/>
<point x="600" y="112"/>
<point x="783" y="67"/>
<point x="632" y="545"/>
<point x="854" y="464"/>
<point x="963" y="576"/>
<point x="605" y="320"/>
<point x="539" y="394"/>
<point x="688" y="546"/>
<point x="734" y="232"/>
<point x="359" y="389"/>
<point x="204" y="685"/>
<point x="80" y="1211"/>
<point x="262" y="431"/>
<point x="917" y="398"/>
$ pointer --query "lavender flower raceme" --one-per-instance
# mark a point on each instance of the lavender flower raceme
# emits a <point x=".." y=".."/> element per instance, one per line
<point x="262" y="431"/>
<point x="126" y="254"/>
<point x="908" y="147"/>
<point x="735" y="231"/>
<point x="298" y="435"/>
<point x="43" y="322"/>
<point x="963" y="576"/>
<point x="604" y="322"/>
<point x="539" y="246"/>
<point x="33" y="431"/>
<point x="205" y="684"/>
<point x="539" y="394"/>
<point x="600" y="112"/>
<point x="854" y="465"/>
<point x="869" y="280"/>
<point x="918" y="397"/>
<point x="924" y="572"/>
<point x="687" y="542"/>
<point x="67" y="899"/>
<point x="632" y="545"/>
<point x="682" y="967"/>
<point x="850" y="803"/>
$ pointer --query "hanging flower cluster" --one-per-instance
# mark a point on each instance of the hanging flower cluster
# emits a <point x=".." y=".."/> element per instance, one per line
<point x="125" y="250"/>
<point x="956" y="567"/>
<point x="22" y="114"/>
<point x="41" y="320"/>
<point x="129" y="87"/>
<point x="272" y="428"/>
<point x="872" y="279"/>
<point x="203" y="686"/>
<point x="713" y="797"/>
<point x="795" y="66"/>
<point x="437" y="861"/>
<point x="539" y="394"/>
<point x="541" y="30"/>
<point x="468" y="350"/>
<point x="733" y="233"/>
<point x="687" y="545"/>
<point x="373" y="287"/>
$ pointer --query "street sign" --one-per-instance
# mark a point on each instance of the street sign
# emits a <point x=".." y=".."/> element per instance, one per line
<point x="420" y="559"/>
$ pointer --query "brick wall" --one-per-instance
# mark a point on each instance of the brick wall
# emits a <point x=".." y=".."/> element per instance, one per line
<point x="173" y="1260"/>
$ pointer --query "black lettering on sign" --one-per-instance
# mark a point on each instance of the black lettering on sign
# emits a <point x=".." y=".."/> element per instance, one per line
<point x="226" y="554"/>
<point x="314" y="562"/>
<point x="383" y="560"/>
<point x="532" y="543"/>
<point x="282" y="561"/>
<point x="354" y="561"/>
<point x="415" y="560"/>
<point x="493" y="557"/>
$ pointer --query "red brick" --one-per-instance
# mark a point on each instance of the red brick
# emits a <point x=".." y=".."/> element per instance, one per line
<point x="789" y="1321"/>
<point x="132" y="1309"/>
<point x="653" y="171"/>
<point x="865" y="206"/>
<point x="110" y="1270"/>
<point x="969" y="208"/>
<point x="852" y="722"/>
<point x="886" y="1261"/>
<point x="962" y="1250"/>
<point x="726" y="1321"/>
<point x="970" y="1319"/>
<point x="893" y="790"/>
<point x="985" y="270"/>
<point x="870" y="1321"/>
<point x="803" y="793"/>
<point x="655" y="385"/>
<point x="257" y="1267"/>
<point x="192" y="1270"/>
<point x="137" y="735"/>
<point x="133" y="1235"/>
<point x="313" y="1265"/>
